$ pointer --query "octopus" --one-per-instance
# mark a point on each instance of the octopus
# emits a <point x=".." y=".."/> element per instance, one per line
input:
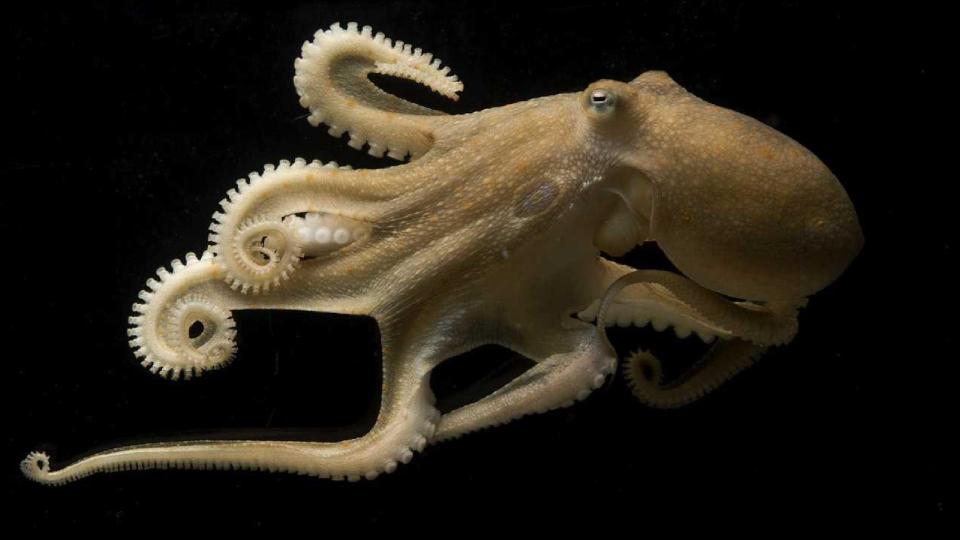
<point x="495" y="227"/>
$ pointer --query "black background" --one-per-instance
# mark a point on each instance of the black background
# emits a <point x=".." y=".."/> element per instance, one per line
<point x="127" y="122"/>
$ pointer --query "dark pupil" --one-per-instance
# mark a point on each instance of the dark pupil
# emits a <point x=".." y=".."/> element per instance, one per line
<point x="598" y="98"/>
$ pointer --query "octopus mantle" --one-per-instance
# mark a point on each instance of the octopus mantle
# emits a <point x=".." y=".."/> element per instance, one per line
<point x="492" y="230"/>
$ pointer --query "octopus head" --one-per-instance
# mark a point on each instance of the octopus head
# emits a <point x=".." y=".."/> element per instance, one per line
<point x="738" y="207"/>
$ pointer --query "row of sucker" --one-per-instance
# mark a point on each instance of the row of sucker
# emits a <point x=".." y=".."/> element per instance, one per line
<point x="768" y="324"/>
<point x="258" y="252"/>
<point x="644" y="373"/>
<point x="176" y="331"/>
<point x="657" y="315"/>
<point x="331" y="80"/>
<point x="187" y="455"/>
<point x="417" y="443"/>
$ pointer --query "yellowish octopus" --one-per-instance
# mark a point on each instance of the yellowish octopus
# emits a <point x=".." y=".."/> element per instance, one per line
<point x="492" y="233"/>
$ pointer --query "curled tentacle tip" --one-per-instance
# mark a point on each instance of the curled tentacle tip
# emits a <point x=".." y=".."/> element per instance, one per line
<point x="179" y="334"/>
<point x="35" y="466"/>
<point x="642" y="368"/>
<point x="259" y="254"/>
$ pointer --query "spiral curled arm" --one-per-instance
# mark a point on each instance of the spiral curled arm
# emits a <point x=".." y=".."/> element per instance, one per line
<point x="644" y="373"/>
<point x="259" y="239"/>
<point x="745" y="331"/>
<point x="183" y="326"/>
<point x="162" y="325"/>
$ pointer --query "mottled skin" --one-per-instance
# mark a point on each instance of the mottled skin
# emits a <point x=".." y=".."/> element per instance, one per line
<point x="493" y="233"/>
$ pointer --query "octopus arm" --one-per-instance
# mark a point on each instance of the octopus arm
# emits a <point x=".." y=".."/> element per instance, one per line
<point x="183" y="326"/>
<point x="666" y="298"/>
<point x="740" y="332"/>
<point x="721" y="362"/>
<point x="332" y="81"/>
<point x="406" y="421"/>
<point x="557" y="381"/>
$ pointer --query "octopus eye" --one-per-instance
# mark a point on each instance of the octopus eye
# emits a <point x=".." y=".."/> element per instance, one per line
<point x="601" y="101"/>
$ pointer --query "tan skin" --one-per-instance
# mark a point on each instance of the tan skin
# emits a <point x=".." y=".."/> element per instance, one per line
<point x="495" y="232"/>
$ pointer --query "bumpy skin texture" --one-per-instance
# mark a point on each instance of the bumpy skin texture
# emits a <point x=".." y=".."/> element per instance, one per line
<point x="492" y="233"/>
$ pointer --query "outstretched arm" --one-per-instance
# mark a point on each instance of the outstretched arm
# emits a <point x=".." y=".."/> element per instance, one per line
<point x="406" y="421"/>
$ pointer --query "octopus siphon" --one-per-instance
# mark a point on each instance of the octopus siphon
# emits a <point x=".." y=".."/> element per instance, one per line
<point x="495" y="227"/>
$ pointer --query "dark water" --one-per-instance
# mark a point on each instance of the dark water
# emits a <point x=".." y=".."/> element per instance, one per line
<point x="129" y="122"/>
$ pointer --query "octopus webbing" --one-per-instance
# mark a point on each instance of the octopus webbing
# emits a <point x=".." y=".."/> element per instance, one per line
<point x="496" y="227"/>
